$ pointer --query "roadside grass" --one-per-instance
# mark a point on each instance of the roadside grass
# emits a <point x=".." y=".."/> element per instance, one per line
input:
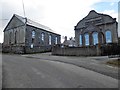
<point x="115" y="62"/>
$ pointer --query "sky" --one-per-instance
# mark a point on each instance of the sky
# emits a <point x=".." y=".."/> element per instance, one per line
<point x="60" y="15"/>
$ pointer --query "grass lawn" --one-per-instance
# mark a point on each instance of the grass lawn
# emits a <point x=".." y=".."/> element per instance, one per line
<point x="115" y="62"/>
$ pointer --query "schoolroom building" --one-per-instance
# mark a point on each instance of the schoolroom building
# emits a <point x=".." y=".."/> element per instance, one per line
<point x="22" y="35"/>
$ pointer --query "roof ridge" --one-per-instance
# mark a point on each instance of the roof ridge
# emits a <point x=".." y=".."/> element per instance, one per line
<point x="20" y="18"/>
<point x="33" y="23"/>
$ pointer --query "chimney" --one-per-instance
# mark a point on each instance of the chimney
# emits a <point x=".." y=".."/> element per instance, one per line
<point x="65" y="38"/>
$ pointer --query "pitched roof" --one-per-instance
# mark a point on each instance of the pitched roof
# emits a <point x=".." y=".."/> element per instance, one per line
<point x="35" y="24"/>
<point x="69" y="42"/>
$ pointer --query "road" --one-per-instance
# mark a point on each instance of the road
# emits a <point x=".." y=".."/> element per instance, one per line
<point x="24" y="72"/>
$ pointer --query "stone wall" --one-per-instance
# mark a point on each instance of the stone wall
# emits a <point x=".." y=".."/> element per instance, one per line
<point x="13" y="49"/>
<point x="37" y="49"/>
<point x="76" y="51"/>
<point x="38" y="37"/>
<point x="25" y="50"/>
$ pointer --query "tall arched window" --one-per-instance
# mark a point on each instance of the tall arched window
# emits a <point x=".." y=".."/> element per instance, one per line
<point x="108" y="37"/>
<point x="87" y="39"/>
<point x="56" y="40"/>
<point x="33" y="34"/>
<point x="15" y="37"/>
<point x="95" y="38"/>
<point x="80" y="40"/>
<point x="10" y="37"/>
<point x="43" y="36"/>
<point x="50" y="39"/>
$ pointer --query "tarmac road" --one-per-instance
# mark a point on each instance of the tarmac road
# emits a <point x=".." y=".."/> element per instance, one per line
<point x="22" y="72"/>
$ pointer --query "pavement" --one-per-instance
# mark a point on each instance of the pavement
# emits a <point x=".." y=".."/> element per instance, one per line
<point x="97" y="64"/>
<point x="47" y="71"/>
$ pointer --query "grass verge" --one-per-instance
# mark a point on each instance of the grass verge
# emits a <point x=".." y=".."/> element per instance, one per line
<point x="115" y="62"/>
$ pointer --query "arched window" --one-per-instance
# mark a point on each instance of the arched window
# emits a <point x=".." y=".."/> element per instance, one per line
<point x="50" y="39"/>
<point x="80" y="40"/>
<point x="10" y="37"/>
<point x="87" y="39"/>
<point x="33" y="34"/>
<point x="95" y="38"/>
<point x="108" y="37"/>
<point x="43" y="36"/>
<point x="56" y="40"/>
<point x="15" y="37"/>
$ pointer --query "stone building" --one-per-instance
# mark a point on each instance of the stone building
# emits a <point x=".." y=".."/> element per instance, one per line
<point x="22" y="35"/>
<point x="70" y="42"/>
<point x="96" y="28"/>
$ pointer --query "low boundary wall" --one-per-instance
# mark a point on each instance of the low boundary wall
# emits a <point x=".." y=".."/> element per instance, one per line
<point x="25" y="49"/>
<point x="76" y="51"/>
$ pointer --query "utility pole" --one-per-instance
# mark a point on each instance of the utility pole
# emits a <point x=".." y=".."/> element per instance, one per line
<point x="23" y="8"/>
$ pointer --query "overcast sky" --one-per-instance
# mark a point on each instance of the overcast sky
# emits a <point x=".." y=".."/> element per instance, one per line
<point x="60" y="15"/>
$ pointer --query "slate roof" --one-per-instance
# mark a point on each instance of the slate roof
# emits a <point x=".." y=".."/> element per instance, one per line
<point x="69" y="42"/>
<point x="32" y="23"/>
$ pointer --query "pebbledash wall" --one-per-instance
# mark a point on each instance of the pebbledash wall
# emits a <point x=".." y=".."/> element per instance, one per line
<point x="77" y="51"/>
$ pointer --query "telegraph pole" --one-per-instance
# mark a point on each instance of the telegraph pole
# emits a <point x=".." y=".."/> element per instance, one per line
<point x="23" y="8"/>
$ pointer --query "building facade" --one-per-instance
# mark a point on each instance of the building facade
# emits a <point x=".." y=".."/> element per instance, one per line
<point x="28" y="36"/>
<point x="96" y="28"/>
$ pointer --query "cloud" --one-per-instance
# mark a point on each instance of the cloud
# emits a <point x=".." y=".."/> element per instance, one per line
<point x="112" y="13"/>
<point x="112" y="4"/>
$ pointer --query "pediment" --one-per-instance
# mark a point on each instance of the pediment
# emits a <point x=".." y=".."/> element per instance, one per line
<point x="92" y="14"/>
<point x="14" y="22"/>
<point x="91" y="28"/>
